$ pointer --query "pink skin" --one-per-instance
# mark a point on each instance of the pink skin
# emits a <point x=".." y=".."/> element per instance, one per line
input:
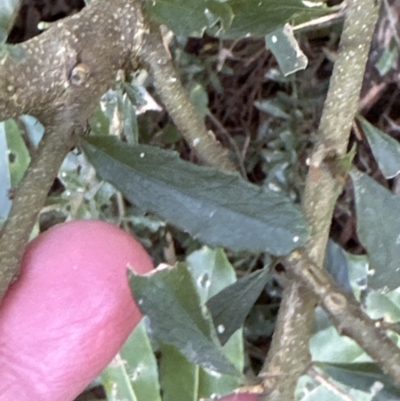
<point x="69" y="312"/>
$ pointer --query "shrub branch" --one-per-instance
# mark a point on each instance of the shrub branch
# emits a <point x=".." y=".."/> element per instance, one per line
<point x="178" y="104"/>
<point x="59" y="78"/>
<point x="323" y="186"/>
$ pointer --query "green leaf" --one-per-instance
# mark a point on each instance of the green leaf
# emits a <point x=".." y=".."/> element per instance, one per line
<point x="377" y="230"/>
<point x="231" y="19"/>
<point x="261" y="17"/>
<point x="134" y="94"/>
<point x="182" y="380"/>
<point x="19" y="157"/>
<point x="322" y="393"/>
<point x="184" y="17"/>
<point x="14" y="160"/>
<point x="170" y="134"/>
<point x="179" y="377"/>
<point x="388" y="59"/>
<point x="337" y="266"/>
<point x="358" y="272"/>
<point x="116" y="382"/>
<point x="134" y="371"/>
<point x="329" y="346"/>
<point x="220" y="17"/>
<point x="217" y="208"/>
<point x="99" y="123"/>
<point x="5" y="180"/>
<point x="7" y="10"/>
<point x="286" y="50"/>
<point x="273" y="108"/>
<point x="212" y="272"/>
<point x="33" y="128"/>
<point x="199" y="98"/>
<point x="169" y="299"/>
<point x="362" y="376"/>
<point x="230" y="307"/>
<point x="380" y="306"/>
<point x="385" y="149"/>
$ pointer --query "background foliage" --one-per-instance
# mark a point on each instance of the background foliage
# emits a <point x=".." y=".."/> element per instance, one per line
<point x="186" y="214"/>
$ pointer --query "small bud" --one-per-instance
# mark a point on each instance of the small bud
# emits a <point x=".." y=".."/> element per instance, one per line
<point x="79" y="74"/>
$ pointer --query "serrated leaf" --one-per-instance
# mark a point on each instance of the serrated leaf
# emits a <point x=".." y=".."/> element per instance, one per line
<point x="286" y="50"/>
<point x="377" y="230"/>
<point x="217" y="208"/>
<point x="230" y="306"/>
<point x="385" y="149"/>
<point x="169" y="299"/>
<point x="362" y="376"/>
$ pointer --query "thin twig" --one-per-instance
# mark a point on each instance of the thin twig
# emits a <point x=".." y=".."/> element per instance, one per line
<point x="179" y="106"/>
<point x="230" y="140"/>
<point x="347" y="315"/>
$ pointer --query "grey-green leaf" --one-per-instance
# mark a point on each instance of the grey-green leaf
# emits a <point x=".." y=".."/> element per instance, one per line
<point x="217" y="208"/>
<point x="230" y="307"/>
<point x="231" y="19"/>
<point x="19" y="157"/>
<point x="176" y="316"/>
<point x="261" y="17"/>
<point x="133" y="374"/>
<point x="286" y="50"/>
<point x="184" y="17"/>
<point x="7" y="12"/>
<point x="5" y="179"/>
<point x="377" y="230"/>
<point x="386" y="149"/>
<point x="362" y="376"/>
